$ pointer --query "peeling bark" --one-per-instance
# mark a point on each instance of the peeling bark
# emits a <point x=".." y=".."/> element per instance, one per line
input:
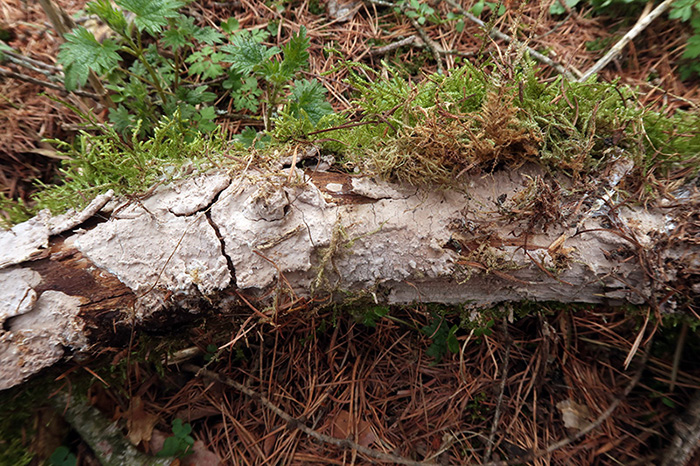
<point x="229" y="241"/>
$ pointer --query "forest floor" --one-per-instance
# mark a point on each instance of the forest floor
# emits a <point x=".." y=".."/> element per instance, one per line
<point x="517" y="388"/>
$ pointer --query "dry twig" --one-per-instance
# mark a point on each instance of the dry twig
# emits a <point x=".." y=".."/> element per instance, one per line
<point x="297" y="424"/>
<point x="499" y="35"/>
<point x="642" y="23"/>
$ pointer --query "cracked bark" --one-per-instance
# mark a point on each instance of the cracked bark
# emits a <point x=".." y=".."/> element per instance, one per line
<point x="222" y="242"/>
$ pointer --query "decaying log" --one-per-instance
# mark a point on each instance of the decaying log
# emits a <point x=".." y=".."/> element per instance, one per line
<point x="255" y="239"/>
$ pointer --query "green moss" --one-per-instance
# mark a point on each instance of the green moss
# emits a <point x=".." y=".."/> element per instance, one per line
<point x="471" y="118"/>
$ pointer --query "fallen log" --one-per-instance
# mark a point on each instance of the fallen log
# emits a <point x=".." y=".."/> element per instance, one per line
<point x="274" y="241"/>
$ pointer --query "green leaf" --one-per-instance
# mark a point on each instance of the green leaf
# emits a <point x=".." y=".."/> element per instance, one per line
<point x="478" y="7"/>
<point x="205" y="62"/>
<point x="452" y="342"/>
<point x="249" y="138"/>
<point x="120" y="118"/>
<point x="246" y="55"/>
<point x="62" y="456"/>
<point x="309" y="99"/>
<point x="682" y="9"/>
<point x="295" y="53"/>
<point x="205" y="119"/>
<point x="230" y="25"/>
<point x="246" y="95"/>
<point x="104" y="9"/>
<point x="558" y="9"/>
<point x="152" y="15"/>
<point x="4" y="48"/>
<point x="82" y="52"/>
<point x="208" y="36"/>
<point x="180" y="34"/>
<point x="692" y="48"/>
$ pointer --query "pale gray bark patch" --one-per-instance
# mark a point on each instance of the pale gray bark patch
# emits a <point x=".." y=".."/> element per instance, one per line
<point x="21" y="241"/>
<point x="37" y="338"/>
<point x="18" y="295"/>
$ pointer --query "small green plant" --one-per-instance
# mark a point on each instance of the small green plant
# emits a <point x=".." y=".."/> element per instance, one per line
<point x="181" y="69"/>
<point x="372" y="315"/>
<point x="419" y="11"/>
<point x="444" y="337"/>
<point x="497" y="7"/>
<point x="212" y="349"/>
<point x="689" y="11"/>
<point x="62" y="456"/>
<point x="180" y="443"/>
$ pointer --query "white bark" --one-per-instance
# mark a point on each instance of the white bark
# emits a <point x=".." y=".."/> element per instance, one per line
<point x="215" y="237"/>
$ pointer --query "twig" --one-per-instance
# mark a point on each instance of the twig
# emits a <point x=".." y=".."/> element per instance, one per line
<point x="104" y="437"/>
<point x="297" y="424"/>
<point x="34" y="65"/>
<point x="430" y="43"/>
<point x="393" y="46"/>
<point x="685" y="443"/>
<point x="50" y="85"/>
<point x="499" y="402"/>
<point x="590" y="427"/>
<point x="434" y="48"/>
<point x="642" y="23"/>
<point x="499" y="35"/>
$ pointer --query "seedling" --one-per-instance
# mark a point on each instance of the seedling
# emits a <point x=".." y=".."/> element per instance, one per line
<point x="180" y="443"/>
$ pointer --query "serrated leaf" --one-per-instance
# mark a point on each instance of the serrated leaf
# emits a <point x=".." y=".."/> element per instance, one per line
<point x="82" y="52"/>
<point x="104" y="9"/>
<point x="180" y="34"/>
<point x="295" y="53"/>
<point x="309" y="97"/>
<point x="681" y="9"/>
<point x="246" y="55"/>
<point x="120" y="118"/>
<point x="246" y="95"/>
<point x="249" y="138"/>
<point x="208" y="36"/>
<point x="152" y="15"/>
<point x="692" y="48"/>
<point x="205" y="119"/>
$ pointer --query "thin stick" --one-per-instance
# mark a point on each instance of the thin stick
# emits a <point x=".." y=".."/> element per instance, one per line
<point x="50" y="85"/>
<point x="499" y="403"/>
<point x="590" y="427"/>
<point x="393" y="46"/>
<point x="430" y="43"/>
<point x="295" y="423"/>
<point x="499" y="35"/>
<point x="642" y="23"/>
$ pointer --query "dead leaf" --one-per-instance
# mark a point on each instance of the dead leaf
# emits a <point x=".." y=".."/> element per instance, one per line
<point x="139" y="422"/>
<point x="574" y="415"/>
<point x="201" y="456"/>
<point x="342" y="428"/>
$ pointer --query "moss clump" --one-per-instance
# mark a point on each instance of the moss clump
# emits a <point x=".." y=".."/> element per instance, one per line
<point x="470" y="119"/>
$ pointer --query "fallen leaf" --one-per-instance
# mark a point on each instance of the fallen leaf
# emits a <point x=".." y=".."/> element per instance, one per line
<point x="139" y="422"/>
<point x="341" y="428"/>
